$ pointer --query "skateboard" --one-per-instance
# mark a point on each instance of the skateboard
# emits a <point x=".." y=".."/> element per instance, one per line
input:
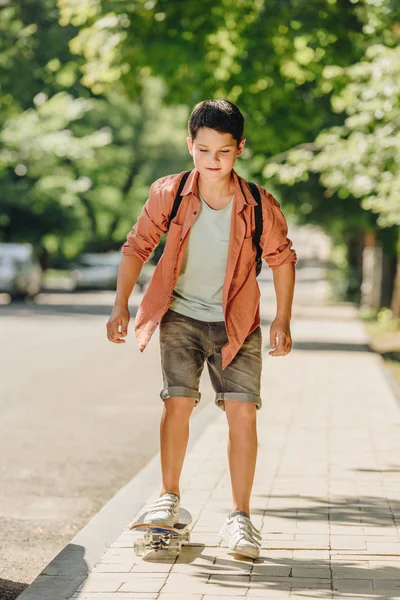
<point x="162" y="539"/>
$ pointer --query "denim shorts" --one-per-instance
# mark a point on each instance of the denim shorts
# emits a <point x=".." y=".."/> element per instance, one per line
<point x="185" y="343"/>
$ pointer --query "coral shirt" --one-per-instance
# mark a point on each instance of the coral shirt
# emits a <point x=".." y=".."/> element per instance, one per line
<point x="241" y="294"/>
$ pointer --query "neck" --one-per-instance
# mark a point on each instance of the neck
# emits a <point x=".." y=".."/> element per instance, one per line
<point x="214" y="190"/>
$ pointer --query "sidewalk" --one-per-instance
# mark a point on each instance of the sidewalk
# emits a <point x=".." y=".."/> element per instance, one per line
<point x="326" y="494"/>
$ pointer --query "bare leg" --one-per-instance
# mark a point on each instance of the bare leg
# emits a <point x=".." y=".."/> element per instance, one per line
<point x="242" y="450"/>
<point x="174" y="437"/>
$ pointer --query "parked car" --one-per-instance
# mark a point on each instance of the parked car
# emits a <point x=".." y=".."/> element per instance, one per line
<point x="20" y="271"/>
<point x="100" y="271"/>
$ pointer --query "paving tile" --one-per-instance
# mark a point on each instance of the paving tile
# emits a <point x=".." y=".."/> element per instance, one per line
<point x="386" y="548"/>
<point x="289" y="582"/>
<point x="156" y="567"/>
<point x="272" y="570"/>
<point x="365" y="573"/>
<point x="113" y="567"/>
<point x="268" y="594"/>
<point x="115" y="596"/>
<point x="130" y="582"/>
<point x="352" y="585"/>
<point x="318" y="572"/>
<point x="351" y="596"/>
<point x="314" y="595"/>
<point x="179" y="596"/>
<point x="311" y="555"/>
<point x="387" y="584"/>
<point x="223" y="596"/>
<point x="385" y="562"/>
<point x="314" y="538"/>
<point x="277" y="554"/>
<point x="178" y="583"/>
<point x="351" y="543"/>
<point x="296" y="545"/>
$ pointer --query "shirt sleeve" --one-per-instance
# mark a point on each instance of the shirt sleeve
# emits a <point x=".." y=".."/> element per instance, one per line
<point x="150" y="225"/>
<point x="276" y="246"/>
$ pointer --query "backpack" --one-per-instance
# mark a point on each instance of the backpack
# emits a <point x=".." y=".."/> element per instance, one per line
<point x="257" y="214"/>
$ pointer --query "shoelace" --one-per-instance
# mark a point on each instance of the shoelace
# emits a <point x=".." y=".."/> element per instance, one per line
<point x="246" y="521"/>
<point x="168" y="502"/>
<point x="247" y="530"/>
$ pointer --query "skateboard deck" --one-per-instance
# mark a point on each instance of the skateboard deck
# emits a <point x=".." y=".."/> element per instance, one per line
<point x="162" y="539"/>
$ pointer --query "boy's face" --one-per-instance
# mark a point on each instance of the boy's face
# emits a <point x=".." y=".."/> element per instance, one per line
<point x="214" y="153"/>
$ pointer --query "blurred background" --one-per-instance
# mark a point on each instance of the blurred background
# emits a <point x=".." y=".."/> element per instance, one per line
<point x="95" y="98"/>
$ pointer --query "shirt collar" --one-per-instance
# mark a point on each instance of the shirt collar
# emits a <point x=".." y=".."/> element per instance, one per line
<point x="244" y="194"/>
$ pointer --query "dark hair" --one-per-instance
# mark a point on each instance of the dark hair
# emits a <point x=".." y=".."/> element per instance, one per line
<point x="221" y="115"/>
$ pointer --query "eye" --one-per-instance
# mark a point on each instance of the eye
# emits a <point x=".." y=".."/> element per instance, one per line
<point x="224" y="151"/>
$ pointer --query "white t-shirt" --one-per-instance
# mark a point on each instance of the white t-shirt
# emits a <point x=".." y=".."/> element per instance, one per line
<point x="198" y="290"/>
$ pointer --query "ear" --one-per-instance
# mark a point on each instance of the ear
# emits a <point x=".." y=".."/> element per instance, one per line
<point x="240" y="146"/>
<point x="190" y="144"/>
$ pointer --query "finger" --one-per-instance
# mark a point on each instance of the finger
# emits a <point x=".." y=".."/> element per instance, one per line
<point x="280" y="348"/>
<point x="117" y="335"/>
<point x="114" y="330"/>
<point x="272" y="337"/>
<point x="117" y="340"/>
<point x="123" y="328"/>
<point x="285" y="349"/>
<point x="114" y="336"/>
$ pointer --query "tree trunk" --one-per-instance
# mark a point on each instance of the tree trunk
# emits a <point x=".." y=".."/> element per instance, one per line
<point x="355" y="246"/>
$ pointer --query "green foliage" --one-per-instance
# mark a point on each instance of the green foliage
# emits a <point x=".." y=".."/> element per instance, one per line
<point x="266" y="56"/>
<point x="95" y="97"/>
<point x="360" y="158"/>
<point x="356" y="158"/>
<point x="81" y="167"/>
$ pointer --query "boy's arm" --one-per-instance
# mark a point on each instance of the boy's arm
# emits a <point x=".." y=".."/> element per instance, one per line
<point x="276" y="246"/>
<point x="281" y="258"/>
<point x="141" y="240"/>
<point x="151" y="223"/>
<point x="284" y="279"/>
<point x="128" y="274"/>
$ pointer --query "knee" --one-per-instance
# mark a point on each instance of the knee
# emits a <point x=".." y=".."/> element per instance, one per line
<point x="240" y="414"/>
<point x="179" y="406"/>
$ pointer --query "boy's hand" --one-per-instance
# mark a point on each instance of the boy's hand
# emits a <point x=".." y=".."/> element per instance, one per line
<point x="280" y="327"/>
<point x="117" y="324"/>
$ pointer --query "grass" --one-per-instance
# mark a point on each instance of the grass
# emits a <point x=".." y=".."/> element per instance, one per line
<point x="384" y="333"/>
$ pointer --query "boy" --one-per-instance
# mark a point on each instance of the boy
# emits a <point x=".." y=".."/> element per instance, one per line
<point x="205" y="297"/>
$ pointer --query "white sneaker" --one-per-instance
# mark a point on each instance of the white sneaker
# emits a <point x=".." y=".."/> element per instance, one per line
<point x="164" y="511"/>
<point x="241" y="535"/>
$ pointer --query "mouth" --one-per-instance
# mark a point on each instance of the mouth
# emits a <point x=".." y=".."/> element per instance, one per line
<point x="211" y="169"/>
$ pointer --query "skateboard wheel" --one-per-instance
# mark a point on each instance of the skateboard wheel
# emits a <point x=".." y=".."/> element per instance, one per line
<point x="186" y="537"/>
<point x="139" y="547"/>
<point x="174" y="547"/>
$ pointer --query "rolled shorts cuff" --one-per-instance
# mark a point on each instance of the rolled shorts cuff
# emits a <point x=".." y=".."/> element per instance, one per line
<point x="179" y="390"/>
<point x="240" y="396"/>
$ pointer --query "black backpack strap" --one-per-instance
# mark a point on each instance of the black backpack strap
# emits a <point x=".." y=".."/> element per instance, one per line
<point x="259" y="223"/>
<point x="257" y="211"/>
<point x="178" y="197"/>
